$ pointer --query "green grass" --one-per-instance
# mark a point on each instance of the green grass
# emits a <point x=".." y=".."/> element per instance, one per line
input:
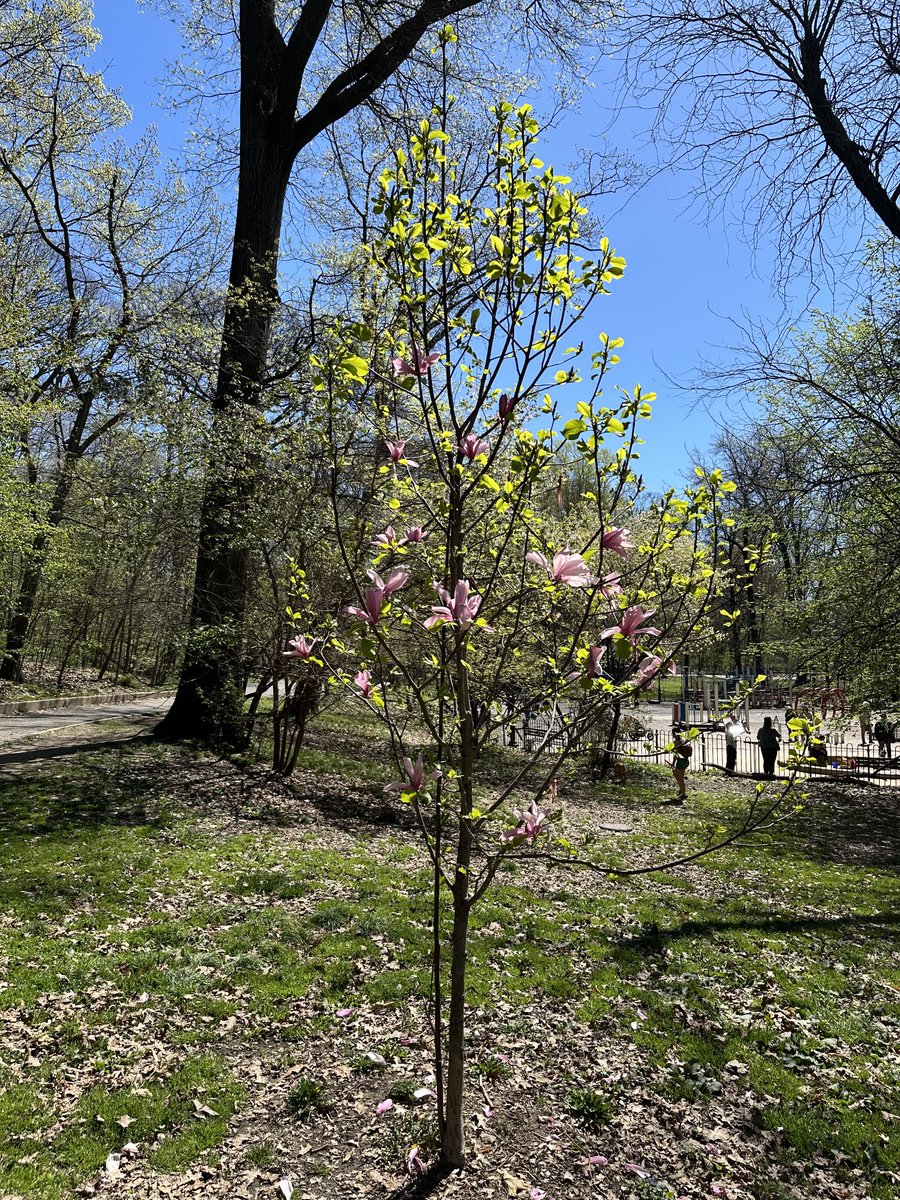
<point x="37" y="1162"/>
<point x="306" y="1098"/>
<point x="116" y="889"/>
<point x="591" y="1108"/>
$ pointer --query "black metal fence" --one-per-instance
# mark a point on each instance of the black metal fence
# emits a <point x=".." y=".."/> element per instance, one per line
<point x="838" y="758"/>
<point x="835" y="758"/>
<point x="539" y="731"/>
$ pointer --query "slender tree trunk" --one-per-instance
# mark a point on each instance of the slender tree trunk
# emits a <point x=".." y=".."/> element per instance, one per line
<point x="753" y="632"/>
<point x="608" y="757"/>
<point x="734" y="635"/>
<point x="111" y="648"/>
<point x="23" y="608"/>
<point x="453" y="1147"/>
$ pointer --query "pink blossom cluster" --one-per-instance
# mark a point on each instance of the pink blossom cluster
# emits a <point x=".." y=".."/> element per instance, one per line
<point x="415" y="777"/>
<point x="374" y="597"/>
<point x="532" y="823"/>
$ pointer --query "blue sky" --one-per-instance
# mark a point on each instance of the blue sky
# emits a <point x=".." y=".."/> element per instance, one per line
<point x="687" y="279"/>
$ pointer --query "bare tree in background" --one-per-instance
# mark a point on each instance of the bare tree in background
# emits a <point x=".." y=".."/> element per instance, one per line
<point x="796" y="102"/>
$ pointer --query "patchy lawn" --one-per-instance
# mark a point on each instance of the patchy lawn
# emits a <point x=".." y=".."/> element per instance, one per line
<point x="215" y="979"/>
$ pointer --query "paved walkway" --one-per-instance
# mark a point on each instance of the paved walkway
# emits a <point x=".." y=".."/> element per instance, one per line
<point x="17" y="726"/>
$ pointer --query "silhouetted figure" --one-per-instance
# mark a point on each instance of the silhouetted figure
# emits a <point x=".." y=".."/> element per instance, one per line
<point x="883" y="735"/>
<point x="733" y="730"/>
<point x="769" y="740"/>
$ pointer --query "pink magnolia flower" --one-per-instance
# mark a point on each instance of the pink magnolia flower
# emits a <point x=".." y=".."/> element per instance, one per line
<point x="414" y="1164"/>
<point x="634" y="1169"/>
<point x="472" y="445"/>
<point x="672" y="669"/>
<point x="595" y="654"/>
<point x="395" y="450"/>
<point x="374" y="597"/>
<point x="631" y="625"/>
<point x="363" y="681"/>
<point x="421" y="363"/>
<point x="383" y="1107"/>
<point x="537" y="1194"/>
<point x="386" y="540"/>
<point x="299" y="647"/>
<point x="595" y="1160"/>
<point x="415" y="534"/>
<point x="610" y="585"/>
<point x="648" y="669"/>
<point x="415" y="777"/>
<point x="459" y="609"/>
<point x="567" y="568"/>
<point x="532" y="823"/>
<point x="395" y="580"/>
<point x="618" y="541"/>
<point x="506" y="405"/>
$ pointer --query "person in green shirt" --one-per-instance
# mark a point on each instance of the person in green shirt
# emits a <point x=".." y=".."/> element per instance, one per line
<point x="683" y="752"/>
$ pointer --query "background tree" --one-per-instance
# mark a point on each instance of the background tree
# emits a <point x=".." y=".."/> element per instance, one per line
<point x="795" y="103"/>
<point x="108" y="253"/>
<point x="818" y="470"/>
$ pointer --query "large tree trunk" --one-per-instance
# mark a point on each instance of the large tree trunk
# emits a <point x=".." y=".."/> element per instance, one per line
<point x="209" y="701"/>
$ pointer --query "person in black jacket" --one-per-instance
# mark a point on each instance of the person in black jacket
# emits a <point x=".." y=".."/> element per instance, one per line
<point x="883" y="732"/>
<point x="769" y="739"/>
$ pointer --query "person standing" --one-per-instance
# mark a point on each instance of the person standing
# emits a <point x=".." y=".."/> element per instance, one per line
<point x="769" y="739"/>
<point x="882" y="733"/>
<point x="683" y="752"/>
<point x="733" y="730"/>
<point x="865" y="723"/>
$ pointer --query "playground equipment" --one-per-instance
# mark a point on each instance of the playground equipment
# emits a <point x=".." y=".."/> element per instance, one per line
<point x="830" y="701"/>
<point x="706" y="700"/>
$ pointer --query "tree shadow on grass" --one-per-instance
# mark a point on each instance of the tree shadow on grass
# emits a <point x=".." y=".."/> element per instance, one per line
<point x="41" y="753"/>
<point x="355" y="806"/>
<point x="654" y="940"/>
<point x="857" y="826"/>
<point x="846" y="825"/>
<point x="98" y="787"/>
<point x="80" y="785"/>
<point x="423" y="1185"/>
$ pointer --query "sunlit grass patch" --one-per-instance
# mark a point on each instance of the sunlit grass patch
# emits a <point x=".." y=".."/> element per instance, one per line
<point x="178" y="1118"/>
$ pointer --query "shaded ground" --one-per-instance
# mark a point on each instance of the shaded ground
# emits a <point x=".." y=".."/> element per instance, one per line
<point x="218" y="978"/>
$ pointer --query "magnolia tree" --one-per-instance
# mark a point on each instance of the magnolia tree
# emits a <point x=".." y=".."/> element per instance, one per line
<point x="473" y="566"/>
